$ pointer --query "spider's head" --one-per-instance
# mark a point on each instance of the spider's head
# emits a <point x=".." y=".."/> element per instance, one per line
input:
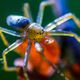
<point x="18" y="22"/>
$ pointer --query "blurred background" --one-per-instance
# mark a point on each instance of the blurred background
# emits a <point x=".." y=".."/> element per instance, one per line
<point x="70" y="48"/>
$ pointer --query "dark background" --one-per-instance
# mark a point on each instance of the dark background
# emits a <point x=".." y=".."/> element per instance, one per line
<point x="8" y="7"/>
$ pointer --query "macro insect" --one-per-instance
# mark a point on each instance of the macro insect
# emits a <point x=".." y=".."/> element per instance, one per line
<point x="34" y="33"/>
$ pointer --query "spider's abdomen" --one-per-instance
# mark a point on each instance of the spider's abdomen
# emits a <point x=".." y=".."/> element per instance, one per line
<point x="17" y="21"/>
<point x="35" y="32"/>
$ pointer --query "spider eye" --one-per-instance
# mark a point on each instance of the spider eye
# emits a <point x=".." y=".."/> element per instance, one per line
<point x="17" y="21"/>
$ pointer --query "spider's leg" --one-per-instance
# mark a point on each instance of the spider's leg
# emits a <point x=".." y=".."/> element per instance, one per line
<point x="41" y="51"/>
<point x="54" y="66"/>
<point x="10" y="32"/>
<point x="26" y="10"/>
<point x="27" y="53"/>
<point x="26" y="57"/>
<point x="63" y="33"/>
<point x="41" y="10"/>
<point x="4" y="39"/>
<point x="61" y="20"/>
<point x="6" y="51"/>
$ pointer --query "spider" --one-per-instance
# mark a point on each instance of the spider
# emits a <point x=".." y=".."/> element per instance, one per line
<point x="34" y="32"/>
